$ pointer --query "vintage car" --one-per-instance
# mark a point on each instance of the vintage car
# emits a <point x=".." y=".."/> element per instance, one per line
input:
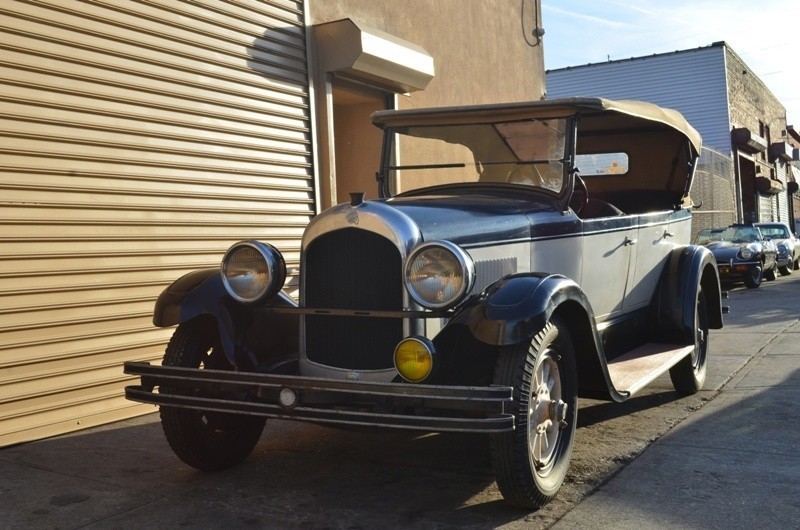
<point x="741" y="252"/>
<point x="519" y="255"/>
<point x="786" y="243"/>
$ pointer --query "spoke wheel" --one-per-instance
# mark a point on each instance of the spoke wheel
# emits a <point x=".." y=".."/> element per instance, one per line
<point x="546" y="411"/>
<point x="689" y="374"/>
<point x="208" y="441"/>
<point x="531" y="462"/>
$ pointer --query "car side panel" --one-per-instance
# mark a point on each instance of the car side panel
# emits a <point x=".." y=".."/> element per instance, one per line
<point x="658" y="234"/>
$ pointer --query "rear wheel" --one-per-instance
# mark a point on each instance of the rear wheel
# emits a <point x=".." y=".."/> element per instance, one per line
<point x="754" y="279"/>
<point x="689" y="374"/>
<point x="208" y="441"/>
<point x="531" y="462"/>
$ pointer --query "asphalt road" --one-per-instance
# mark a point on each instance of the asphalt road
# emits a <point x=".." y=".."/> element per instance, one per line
<point x="309" y="476"/>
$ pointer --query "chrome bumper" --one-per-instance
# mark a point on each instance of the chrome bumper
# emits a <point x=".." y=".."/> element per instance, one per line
<point x="384" y="405"/>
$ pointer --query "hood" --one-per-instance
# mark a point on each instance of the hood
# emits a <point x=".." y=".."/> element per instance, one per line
<point x="478" y="217"/>
<point x="725" y="249"/>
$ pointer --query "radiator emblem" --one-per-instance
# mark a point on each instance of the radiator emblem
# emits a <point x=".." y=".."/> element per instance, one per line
<point x="352" y="217"/>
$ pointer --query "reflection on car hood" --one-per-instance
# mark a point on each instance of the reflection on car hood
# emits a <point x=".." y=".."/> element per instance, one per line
<point x="727" y="249"/>
<point x="482" y="217"/>
<point x="716" y="245"/>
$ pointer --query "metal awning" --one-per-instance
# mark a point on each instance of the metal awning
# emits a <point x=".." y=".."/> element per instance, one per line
<point x="359" y="52"/>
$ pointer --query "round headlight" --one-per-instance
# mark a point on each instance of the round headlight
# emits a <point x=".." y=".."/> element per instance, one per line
<point x="746" y="253"/>
<point x="413" y="359"/>
<point x="253" y="271"/>
<point x="439" y="274"/>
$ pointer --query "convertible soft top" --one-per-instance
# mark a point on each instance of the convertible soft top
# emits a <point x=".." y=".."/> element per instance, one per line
<point x="598" y="114"/>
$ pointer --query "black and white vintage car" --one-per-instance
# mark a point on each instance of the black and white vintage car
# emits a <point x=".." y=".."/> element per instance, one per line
<point x="519" y="256"/>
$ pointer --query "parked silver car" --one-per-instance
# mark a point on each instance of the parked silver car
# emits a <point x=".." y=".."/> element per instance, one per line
<point x="787" y="244"/>
<point x="518" y="256"/>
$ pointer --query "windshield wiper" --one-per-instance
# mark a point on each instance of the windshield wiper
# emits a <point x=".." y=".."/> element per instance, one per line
<point x="429" y="166"/>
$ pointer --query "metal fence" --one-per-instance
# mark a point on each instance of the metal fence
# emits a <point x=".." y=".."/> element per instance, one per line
<point x="713" y="191"/>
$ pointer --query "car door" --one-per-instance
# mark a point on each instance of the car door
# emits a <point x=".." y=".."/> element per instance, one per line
<point x="657" y="235"/>
<point x="608" y="245"/>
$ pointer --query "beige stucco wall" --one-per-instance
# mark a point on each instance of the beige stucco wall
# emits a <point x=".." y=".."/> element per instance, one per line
<point x="483" y="50"/>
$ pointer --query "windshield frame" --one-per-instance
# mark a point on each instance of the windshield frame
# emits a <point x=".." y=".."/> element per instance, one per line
<point x="562" y="196"/>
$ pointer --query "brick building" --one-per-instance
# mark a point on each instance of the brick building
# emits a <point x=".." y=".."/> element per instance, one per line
<point x="746" y="167"/>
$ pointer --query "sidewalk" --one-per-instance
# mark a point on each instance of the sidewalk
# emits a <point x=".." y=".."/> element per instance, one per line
<point x="734" y="463"/>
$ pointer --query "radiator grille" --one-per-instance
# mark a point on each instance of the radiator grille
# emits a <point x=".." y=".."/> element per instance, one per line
<point x="353" y="269"/>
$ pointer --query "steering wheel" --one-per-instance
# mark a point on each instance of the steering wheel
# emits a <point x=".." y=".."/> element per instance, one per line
<point x="580" y="186"/>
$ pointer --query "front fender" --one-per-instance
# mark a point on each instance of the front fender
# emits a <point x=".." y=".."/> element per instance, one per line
<point x="188" y="297"/>
<point x="202" y="293"/>
<point x="514" y="308"/>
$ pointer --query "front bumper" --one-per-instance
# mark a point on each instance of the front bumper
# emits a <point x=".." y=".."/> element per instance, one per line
<point x="359" y="403"/>
<point x="737" y="269"/>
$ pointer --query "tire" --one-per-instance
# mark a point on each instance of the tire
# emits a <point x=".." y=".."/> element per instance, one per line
<point x="786" y="270"/>
<point x="208" y="441"/>
<point x="770" y="274"/>
<point x="689" y="374"/>
<point x="530" y="473"/>
<point x="755" y="278"/>
<point x="797" y="264"/>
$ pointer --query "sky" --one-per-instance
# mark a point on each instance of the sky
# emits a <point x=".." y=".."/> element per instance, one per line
<point x="762" y="32"/>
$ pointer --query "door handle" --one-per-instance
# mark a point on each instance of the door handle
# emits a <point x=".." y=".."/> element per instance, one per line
<point x="667" y="234"/>
<point x="629" y="241"/>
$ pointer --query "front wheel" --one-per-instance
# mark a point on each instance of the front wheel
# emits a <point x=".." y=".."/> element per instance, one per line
<point x="754" y="279"/>
<point x="531" y="462"/>
<point x="689" y="374"/>
<point x="208" y="441"/>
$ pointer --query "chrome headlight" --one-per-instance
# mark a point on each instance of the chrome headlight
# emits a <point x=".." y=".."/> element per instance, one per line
<point x="746" y="253"/>
<point x="783" y="250"/>
<point x="439" y="274"/>
<point x="252" y="271"/>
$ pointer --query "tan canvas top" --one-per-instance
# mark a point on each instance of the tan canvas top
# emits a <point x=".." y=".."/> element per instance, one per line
<point x="596" y="113"/>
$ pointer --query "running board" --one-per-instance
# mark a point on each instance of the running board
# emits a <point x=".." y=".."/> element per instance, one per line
<point x="637" y="368"/>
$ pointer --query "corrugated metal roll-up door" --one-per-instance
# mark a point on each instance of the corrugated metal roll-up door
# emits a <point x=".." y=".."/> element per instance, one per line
<point x="783" y="197"/>
<point x="139" y="140"/>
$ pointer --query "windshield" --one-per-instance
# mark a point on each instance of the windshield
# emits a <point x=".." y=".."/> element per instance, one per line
<point x="526" y="153"/>
<point x="775" y="231"/>
<point x="737" y="234"/>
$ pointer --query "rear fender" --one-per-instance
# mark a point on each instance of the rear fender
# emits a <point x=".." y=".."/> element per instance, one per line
<point x="687" y="270"/>
<point x="203" y="293"/>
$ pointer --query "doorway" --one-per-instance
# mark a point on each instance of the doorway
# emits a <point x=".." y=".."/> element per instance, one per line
<point x="357" y="143"/>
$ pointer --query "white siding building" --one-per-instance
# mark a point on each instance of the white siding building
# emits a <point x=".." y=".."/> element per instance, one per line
<point x="735" y="113"/>
<point x="691" y="81"/>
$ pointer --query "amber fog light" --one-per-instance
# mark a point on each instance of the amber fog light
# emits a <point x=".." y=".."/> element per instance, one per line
<point x="413" y="358"/>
